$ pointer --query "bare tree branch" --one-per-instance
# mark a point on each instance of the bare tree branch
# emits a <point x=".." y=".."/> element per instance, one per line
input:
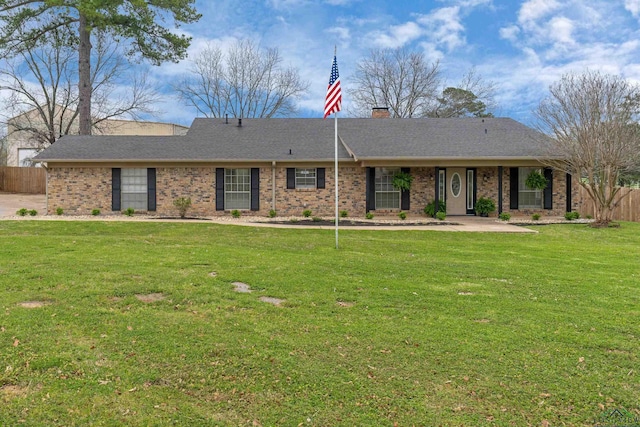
<point x="592" y="119"/>
<point x="43" y="100"/>
<point x="472" y="97"/>
<point x="26" y="23"/>
<point x="484" y="90"/>
<point x="247" y="82"/>
<point x="400" y="80"/>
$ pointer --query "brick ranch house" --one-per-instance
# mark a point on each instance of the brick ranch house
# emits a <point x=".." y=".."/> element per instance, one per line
<point x="287" y="165"/>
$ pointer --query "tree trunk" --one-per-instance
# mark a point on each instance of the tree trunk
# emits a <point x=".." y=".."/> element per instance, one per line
<point x="84" y="77"/>
<point x="603" y="197"/>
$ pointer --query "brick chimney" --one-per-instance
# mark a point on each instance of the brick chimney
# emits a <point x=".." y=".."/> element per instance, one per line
<point x="380" y="113"/>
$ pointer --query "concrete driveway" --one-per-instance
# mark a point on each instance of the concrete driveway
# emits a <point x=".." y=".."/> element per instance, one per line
<point x="11" y="202"/>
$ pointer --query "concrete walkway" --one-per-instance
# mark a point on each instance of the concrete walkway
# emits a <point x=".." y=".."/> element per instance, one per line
<point x="454" y="223"/>
<point x="10" y="203"/>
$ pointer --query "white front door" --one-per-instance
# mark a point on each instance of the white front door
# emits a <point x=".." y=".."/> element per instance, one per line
<point x="456" y="191"/>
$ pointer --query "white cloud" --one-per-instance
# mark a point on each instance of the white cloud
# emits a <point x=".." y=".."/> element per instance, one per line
<point x="340" y="2"/>
<point x="556" y="37"/>
<point x="560" y="25"/>
<point x="633" y="6"/>
<point x="442" y="29"/>
<point x="532" y="10"/>
<point x="445" y="27"/>
<point x="510" y="33"/>
<point x="475" y="3"/>
<point x="549" y="38"/>
<point x="286" y="4"/>
<point x="561" y="30"/>
<point x="432" y="52"/>
<point x="398" y="35"/>
<point x="342" y="33"/>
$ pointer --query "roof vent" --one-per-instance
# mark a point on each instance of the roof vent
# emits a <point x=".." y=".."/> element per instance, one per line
<point x="290" y="151"/>
<point x="485" y="131"/>
<point x="226" y="119"/>
<point x="240" y="122"/>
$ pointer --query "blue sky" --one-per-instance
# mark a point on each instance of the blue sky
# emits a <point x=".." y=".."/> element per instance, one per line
<point x="521" y="45"/>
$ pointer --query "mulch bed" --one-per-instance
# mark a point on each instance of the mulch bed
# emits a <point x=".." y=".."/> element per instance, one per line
<point x="186" y="218"/>
<point x="326" y="222"/>
<point x="356" y="223"/>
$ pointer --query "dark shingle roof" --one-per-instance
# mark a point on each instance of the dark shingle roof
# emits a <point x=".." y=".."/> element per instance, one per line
<point x="311" y="140"/>
<point x="462" y="138"/>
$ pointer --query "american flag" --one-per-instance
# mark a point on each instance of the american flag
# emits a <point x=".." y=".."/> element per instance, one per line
<point x="333" y="103"/>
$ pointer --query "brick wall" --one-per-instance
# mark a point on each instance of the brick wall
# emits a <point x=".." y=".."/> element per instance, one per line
<point x="80" y="190"/>
<point x="559" y="198"/>
<point x="487" y="182"/>
<point x="198" y="183"/>
<point x="423" y="189"/>
<point x="291" y="202"/>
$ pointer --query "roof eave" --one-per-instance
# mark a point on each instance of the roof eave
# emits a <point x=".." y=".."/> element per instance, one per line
<point x="60" y="160"/>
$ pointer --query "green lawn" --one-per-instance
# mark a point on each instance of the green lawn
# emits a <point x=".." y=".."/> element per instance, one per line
<point x="403" y="328"/>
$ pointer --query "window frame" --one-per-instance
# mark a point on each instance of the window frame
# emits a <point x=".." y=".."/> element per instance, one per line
<point x="134" y="189"/>
<point x="299" y="178"/>
<point x="527" y="193"/>
<point x="470" y="189"/>
<point x="442" y="185"/>
<point x="237" y="182"/>
<point x="459" y="185"/>
<point x="383" y="186"/>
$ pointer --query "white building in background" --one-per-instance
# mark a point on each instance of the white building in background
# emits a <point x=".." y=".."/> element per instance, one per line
<point x="22" y="145"/>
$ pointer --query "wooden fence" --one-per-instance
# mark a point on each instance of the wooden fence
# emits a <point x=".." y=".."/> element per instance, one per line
<point x="628" y="208"/>
<point x="23" y="180"/>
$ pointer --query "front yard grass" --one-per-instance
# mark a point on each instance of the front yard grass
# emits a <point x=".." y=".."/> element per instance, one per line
<point x="139" y="324"/>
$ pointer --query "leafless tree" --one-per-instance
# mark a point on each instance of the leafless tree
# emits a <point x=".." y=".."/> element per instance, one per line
<point x="118" y="90"/>
<point x="41" y="83"/>
<point x="247" y="81"/>
<point x="483" y="89"/>
<point x="144" y="24"/>
<point x="398" y="79"/>
<point x="595" y="137"/>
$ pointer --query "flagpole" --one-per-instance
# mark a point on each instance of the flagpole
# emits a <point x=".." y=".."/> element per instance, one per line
<point x="333" y="104"/>
<point x="336" y="173"/>
<point x="335" y="152"/>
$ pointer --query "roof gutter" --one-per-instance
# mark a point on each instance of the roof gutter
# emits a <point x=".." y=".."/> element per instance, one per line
<point x="412" y="158"/>
<point x="190" y="160"/>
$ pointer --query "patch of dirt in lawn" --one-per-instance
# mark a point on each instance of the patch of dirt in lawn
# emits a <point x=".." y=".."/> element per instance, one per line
<point x="13" y="391"/>
<point x="241" y="287"/>
<point x="155" y="297"/>
<point x="482" y="321"/>
<point x="32" y="304"/>
<point x="465" y="293"/>
<point x="213" y="274"/>
<point x="345" y="304"/>
<point x="616" y="351"/>
<point x="271" y="300"/>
